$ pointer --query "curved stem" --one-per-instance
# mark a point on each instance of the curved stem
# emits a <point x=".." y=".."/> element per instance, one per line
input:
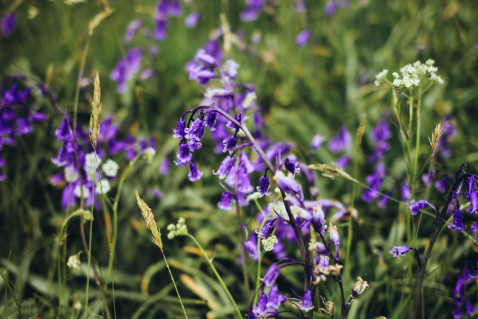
<point x="217" y="274"/>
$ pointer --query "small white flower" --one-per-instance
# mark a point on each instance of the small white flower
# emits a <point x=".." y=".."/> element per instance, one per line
<point x="249" y="99"/>
<point x="92" y="160"/>
<point x="71" y="174"/>
<point x="73" y="262"/>
<point x="269" y="242"/>
<point x="380" y="77"/>
<point x="102" y="186"/>
<point x="110" y="168"/>
<point x="77" y="191"/>
<point x="253" y="196"/>
<point x="149" y="154"/>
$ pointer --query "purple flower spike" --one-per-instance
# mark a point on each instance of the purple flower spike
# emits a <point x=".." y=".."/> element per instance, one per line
<point x="271" y="275"/>
<point x="264" y="185"/>
<point x="306" y="302"/>
<point x="8" y="24"/>
<point x="225" y="203"/>
<point x="417" y="207"/>
<point x="194" y="173"/>
<point x="302" y="38"/>
<point x="399" y="251"/>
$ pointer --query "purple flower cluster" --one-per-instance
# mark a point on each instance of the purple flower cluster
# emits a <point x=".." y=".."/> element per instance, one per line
<point x="16" y="118"/>
<point x="459" y="295"/>
<point x="341" y="142"/>
<point x="165" y="9"/>
<point x="252" y="11"/>
<point x="83" y="168"/>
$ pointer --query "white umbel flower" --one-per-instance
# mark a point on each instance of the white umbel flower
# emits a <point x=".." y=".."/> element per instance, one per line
<point x="71" y="174"/>
<point x="102" y="186"/>
<point x="110" y="168"/>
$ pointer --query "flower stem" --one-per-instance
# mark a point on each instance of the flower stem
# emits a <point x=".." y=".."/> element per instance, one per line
<point x="217" y="274"/>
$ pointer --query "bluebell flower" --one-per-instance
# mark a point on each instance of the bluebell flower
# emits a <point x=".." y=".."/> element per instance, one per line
<point x="449" y="133"/>
<point x="192" y="20"/>
<point x="251" y="12"/>
<point x="374" y="182"/>
<point x="194" y="173"/>
<point x="211" y="120"/>
<point x="341" y="141"/>
<point x="380" y="135"/>
<point x="274" y="301"/>
<point x="225" y="203"/>
<point x="335" y="239"/>
<point x="229" y="143"/>
<point x="443" y="183"/>
<point x="302" y="38"/>
<point x="405" y="195"/>
<point x="457" y="220"/>
<point x="416" y="207"/>
<point x="317" y="141"/>
<point x="472" y="194"/>
<point x="184" y="157"/>
<point x="261" y="308"/>
<point x="126" y="68"/>
<point x="399" y="251"/>
<point x="291" y="165"/>
<point x="264" y="185"/>
<point x="8" y="24"/>
<point x="288" y="185"/>
<point x="271" y="275"/>
<point x="225" y="167"/>
<point x="306" y="301"/>
<point x="133" y="26"/>
<point x="251" y="247"/>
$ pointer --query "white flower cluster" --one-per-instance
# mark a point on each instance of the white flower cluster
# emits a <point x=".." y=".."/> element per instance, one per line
<point x="177" y="230"/>
<point x="412" y="75"/>
<point x="73" y="262"/>
<point x="269" y="242"/>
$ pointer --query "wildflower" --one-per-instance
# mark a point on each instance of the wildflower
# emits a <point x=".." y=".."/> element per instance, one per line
<point x="375" y="182"/>
<point x="110" y="168"/>
<point x="359" y="287"/>
<point x="251" y="247"/>
<point x="335" y="239"/>
<point x="225" y="167"/>
<point x="264" y="185"/>
<point x="302" y="38"/>
<point x="306" y="301"/>
<point x="164" y="168"/>
<point x="192" y="20"/>
<point x="271" y="275"/>
<point x="73" y="262"/>
<point x="225" y="203"/>
<point x="380" y="135"/>
<point x="472" y="194"/>
<point x="133" y="26"/>
<point x="71" y="174"/>
<point x="179" y="131"/>
<point x="274" y="300"/>
<point x="229" y="143"/>
<point x="102" y="186"/>
<point x="261" y="308"/>
<point x="317" y="141"/>
<point x="8" y="24"/>
<point x="381" y="77"/>
<point x="291" y="165"/>
<point x="194" y="173"/>
<point x="180" y="229"/>
<point x="288" y="184"/>
<point x="399" y="251"/>
<point x="211" y="120"/>
<point x="448" y="134"/>
<point x="416" y="207"/>
<point x="184" y="156"/>
<point x="254" y="7"/>
<point x="126" y="68"/>
<point x="341" y="141"/>
<point x="405" y="192"/>
<point x="269" y="242"/>
<point x="457" y="221"/>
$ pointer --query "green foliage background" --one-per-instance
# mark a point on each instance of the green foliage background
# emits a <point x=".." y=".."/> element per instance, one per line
<point x="303" y="91"/>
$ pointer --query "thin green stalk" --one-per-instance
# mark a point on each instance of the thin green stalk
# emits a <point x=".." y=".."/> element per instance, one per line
<point x="417" y="147"/>
<point x="174" y="283"/>
<point x="78" y="82"/>
<point x="259" y="262"/>
<point x="216" y="273"/>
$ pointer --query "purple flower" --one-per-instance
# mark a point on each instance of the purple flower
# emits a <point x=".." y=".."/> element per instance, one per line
<point x="380" y="135"/>
<point x="164" y="168"/>
<point x="300" y="6"/>
<point x="405" y="192"/>
<point x="449" y="133"/>
<point x="317" y="141"/>
<point x="229" y="143"/>
<point x="211" y="120"/>
<point x="335" y="239"/>
<point x="264" y="185"/>
<point x="288" y="185"/>
<point x="196" y="131"/>
<point x="291" y="165"/>
<point x="133" y="26"/>
<point x="274" y="300"/>
<point x="194" y="173"/>
<point x="399" y="251"/>
<point x="442" y="184"/>
<point x="457" y="221"/>
<point x="251" y="247"/>
<point x="341" y="141"/>
<point x="250" y="13"/>
<point x="225" y="203"/>
<point x="179" y="131"/>
<point x="8" y="24"/>
<point x="302" y="38"/>
<point x="271" y="275"/>
<point x="184" y="156"/>
<point x="374" y="182"/>
<point x="126" y="68"/>
<point x="192" y="20"/>
<point x="225" y="167"/>
<point x="472" y="194"/>
<point x="416" y="207"/>
<point x="261" y="308"/>
<point x="306" y="301"/>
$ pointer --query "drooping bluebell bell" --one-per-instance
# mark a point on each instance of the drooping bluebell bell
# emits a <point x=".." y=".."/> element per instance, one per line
<point x="131" y="29"/>
<point x="271" y="275"/>
<point x="274" y="300"/>
<point x="302" y="38"/>
<point x="192" y="20"/>
<point x="416" y="207"/>
<point x="399" y="251"/>
<point x="449" y="133"/>
<point x="165" y="9"/>
<point x="380" y="135"/>
<point x="335" y="239"/>
<point x="289" y="185"/>
<point x="126" y="68"/>
<point x="225" y="167"/>
<point x="457" y="220"/>
<point x="306" y="301"/>
<point x="405" y="194"/>
<point x="374" y="183"/>
<point x="472" y="194"/>
<point x="459" y="294"/>
<point x="184" y="156"/>
<point x="252" y="11"/>
<point x="341" y="141"/>
<point x="264" y="185"/>
<point x="251" y="246"/>
<point x="210" y="121"/>
<point x="229" y="143"/>
<point x="261" y="309"/>
<point x="8" y="24"/>
<point x="317" y="141"/>
<point x="196" y="130"/>
<point x="194" y="173"/>
<point x="291" y="165"/>
<point x="225" y="203"/>
<point x="443" y="183"/>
